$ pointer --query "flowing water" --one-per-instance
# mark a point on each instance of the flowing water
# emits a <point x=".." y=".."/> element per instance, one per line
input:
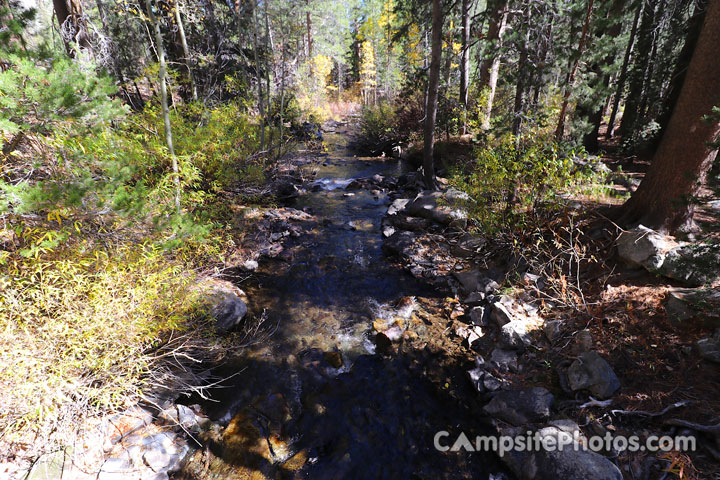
<point x="314" y="400"/>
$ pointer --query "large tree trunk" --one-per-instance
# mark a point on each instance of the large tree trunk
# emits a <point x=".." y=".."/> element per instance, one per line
<point x="432" y="96"/>
<point x="162" y="79"/>
<point x="465" y="63"/>
<point x="490" y="66"/>
<point x="678" y="75"/>
<point x="663" y="201"/>
<point x="185" y="49"/>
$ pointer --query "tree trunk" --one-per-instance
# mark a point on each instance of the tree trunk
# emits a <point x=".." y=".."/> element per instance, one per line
<point x="431" y="106"/>
<point x="465" y="63"/>
<point x="490" y="67"/>
<point x="520" y="87"/>
<point x="162" y="78"/>
<point x="639" y="70"/>
<point x="663" y="201"/>
<point x="560" y="131"/>
<point x="623" y="72"/>
<point x="71" y="21"/>
<point x="185" y="49"/>
<point x="258" y="78"/>
<point x="678" y="76"/>
<point x="308" y="24"/>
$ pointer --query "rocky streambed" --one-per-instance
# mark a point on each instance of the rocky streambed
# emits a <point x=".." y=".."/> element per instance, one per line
<point x="379" y="323"/>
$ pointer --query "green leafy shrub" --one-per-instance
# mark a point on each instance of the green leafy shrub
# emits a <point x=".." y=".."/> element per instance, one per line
<point x="377" y="128"/>
<point x="512" y="178"/>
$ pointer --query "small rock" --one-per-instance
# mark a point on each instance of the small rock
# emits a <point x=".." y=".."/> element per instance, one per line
<point x="591" y="372"/>
<point x="583" y="341"/>
<point x="183" y="417"/>
<point x="383" y="345"/>
<point x="478" y="317"/>
<point x="334" y="358"/>
<point x="552" y="329"/>
<point x="504" y="360"/>
<point x="467" y="246"/>
<point x="249" y="265"/>
<point x="492" y="383"/>
<point x="518" y="407"/>
<point x="474" y="299"/>
<point x="515" y="334"/>
<point x="709" y="347"/>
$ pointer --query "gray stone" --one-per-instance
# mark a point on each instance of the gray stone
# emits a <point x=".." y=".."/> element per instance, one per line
<point x="583" y="341"/>
<point x="573" y="461"/>
<point x="501" y="314"/>
<point x="515" y="334"/>
<point x="644" y="247"/>
<point x="552" y="329"/>
<point x="591" y="372"/>
<point x="467" y="246"/>
<point x="440" y="207"/>
<point x="695" y="264"/>
<point x="518" y="407"/>
<point x="474" y="299"/>
<point x="228" y="310"/>
<point x="183" y="417"/>
<point x="478" y="317"/>
<point x="468" y="280"/>
<point x="709" y="347"/>
<point x="492" y="383"/>
<point x="504" y="360"/>
<point x="697" y="306"/>
<point x="404" y="222"/>
<point x="399" y="243"/>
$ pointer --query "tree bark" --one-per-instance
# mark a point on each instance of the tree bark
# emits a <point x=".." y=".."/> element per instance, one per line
<point x="560" y="131"/>
<point x="465" y="62"/>
<point x="431" y="106"/>
<point x="639" y="70"/>
<point x="162" y="78"/>
<point x="678" y="76"/>
<point x="185" y="49"/>
<point x="663" y="201"/>
<point x="71" y="21"/>
<point x="490" y="67"/>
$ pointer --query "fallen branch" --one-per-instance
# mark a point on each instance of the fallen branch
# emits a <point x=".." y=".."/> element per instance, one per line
<point x="651" y="414"/>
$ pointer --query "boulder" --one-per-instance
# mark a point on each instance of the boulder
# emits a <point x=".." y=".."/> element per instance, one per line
<point x="591" y="372"/>
<point x="572" y="461"/>
<point x="518" y="407"/>
<point x="404" y="222"/>
<point x="699" y="306"/>
<point x="228" y="309"/>
<point x="644" y="247"/>
<point x="440" y="207"/>
<point x="399" y="243"/>
<point x="709" y="347"/>
<point x="694" y="264"/>
<point x="516" y="334"/>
